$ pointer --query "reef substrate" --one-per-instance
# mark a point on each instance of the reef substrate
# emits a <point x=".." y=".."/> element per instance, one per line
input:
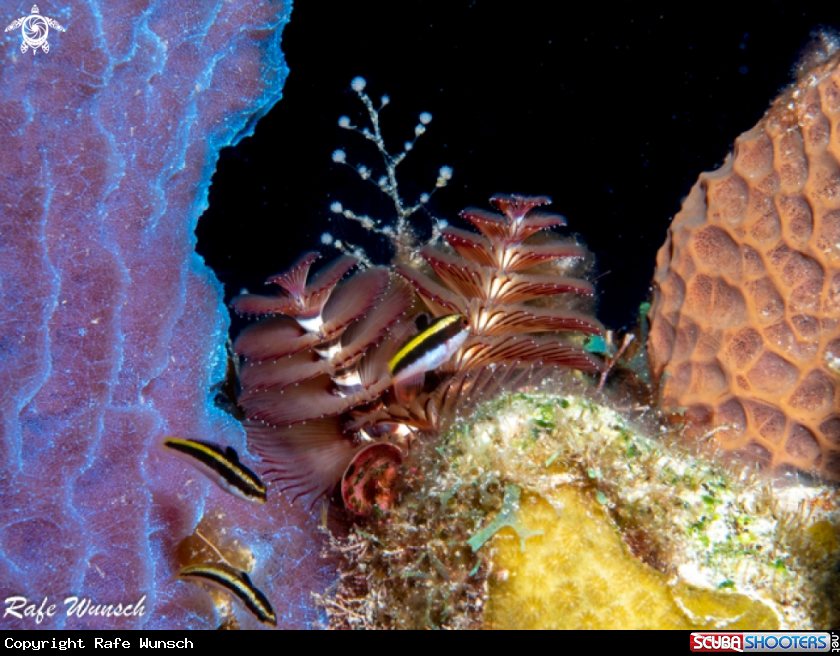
<point x="547" y="510"/>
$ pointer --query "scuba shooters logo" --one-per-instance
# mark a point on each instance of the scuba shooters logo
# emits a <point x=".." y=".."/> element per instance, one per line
<point x="717" y="642"/>
<point x="754" y="641"/>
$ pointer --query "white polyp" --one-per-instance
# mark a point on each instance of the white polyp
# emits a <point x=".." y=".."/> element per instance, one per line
<point x="425" y="118"/>
<point x="419" y="129"/>
<point x="336" y="207"/>
<point x="408" y="146"/>
<point x="424" y="198"/>
<point x="358" y="84"/>
<point x="326" y="239"/>
<point x="344" y="121"/>
<point x="385" y="100"/>
<point x="339" y="156"/>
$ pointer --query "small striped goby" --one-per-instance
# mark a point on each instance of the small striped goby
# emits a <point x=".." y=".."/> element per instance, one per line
<point x="235" y="582"/>
<point x="428" y="350"/>
<point x="220" y="465"/>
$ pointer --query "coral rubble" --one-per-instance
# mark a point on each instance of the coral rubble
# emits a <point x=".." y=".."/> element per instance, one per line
<point x="745" y="319"/>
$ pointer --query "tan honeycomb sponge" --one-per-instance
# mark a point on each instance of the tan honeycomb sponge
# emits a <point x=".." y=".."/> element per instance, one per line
<point x="744" y="337"/>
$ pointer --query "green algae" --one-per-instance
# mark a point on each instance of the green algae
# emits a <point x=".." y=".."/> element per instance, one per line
<point x="508" y="517"/>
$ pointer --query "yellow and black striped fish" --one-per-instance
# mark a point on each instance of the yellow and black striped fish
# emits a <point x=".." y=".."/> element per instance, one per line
<point x="237" y="583"/>
<point x="427" y="350"/>
<point x="220" y="465"/>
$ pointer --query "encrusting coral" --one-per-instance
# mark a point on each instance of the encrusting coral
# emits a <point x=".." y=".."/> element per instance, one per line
<point x="745" y="319"/>
<point x="544" y="587"/>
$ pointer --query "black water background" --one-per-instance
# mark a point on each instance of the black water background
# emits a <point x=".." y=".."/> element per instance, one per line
<point x="612" y="110"/>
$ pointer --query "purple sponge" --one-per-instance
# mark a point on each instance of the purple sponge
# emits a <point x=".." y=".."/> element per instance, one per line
<point x="112" y="329"/>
